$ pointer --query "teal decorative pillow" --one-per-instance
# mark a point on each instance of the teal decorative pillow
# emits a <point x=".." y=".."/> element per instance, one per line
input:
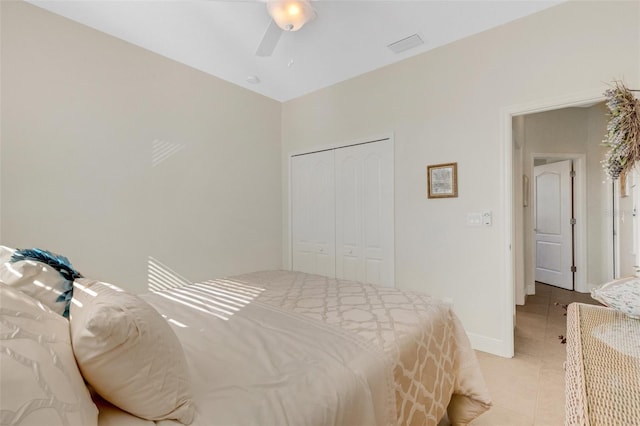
<point x="43" y="275"/>
<point x="622" y="295"/>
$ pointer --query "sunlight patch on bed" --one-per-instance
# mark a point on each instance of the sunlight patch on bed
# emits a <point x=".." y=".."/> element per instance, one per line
<point x="236" y="287"/>
<point x="211" y="289"/>
<point x="13" y="271"/>
<point x="197" y="306"/>
<point x="209" y="302"/>
<point x="47" y="287"/>
<point x="84" y="289"/>
<point x="112" y="287"/>
<point x="220" y="298"/>
<point x="174" y="322"/>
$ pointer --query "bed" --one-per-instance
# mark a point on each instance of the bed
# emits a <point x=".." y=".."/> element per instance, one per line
<point x="281" y="348"/>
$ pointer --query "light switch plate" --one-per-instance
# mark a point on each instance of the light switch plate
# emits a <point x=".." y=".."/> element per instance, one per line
<point x="487" y="218"/>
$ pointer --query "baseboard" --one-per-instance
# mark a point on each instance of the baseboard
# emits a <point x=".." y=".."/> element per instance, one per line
<point x="531" y="289"/>
<point x="490" y="345"/>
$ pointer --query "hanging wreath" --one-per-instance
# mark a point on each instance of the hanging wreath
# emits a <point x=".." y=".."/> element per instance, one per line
<point x="623" y="131"/>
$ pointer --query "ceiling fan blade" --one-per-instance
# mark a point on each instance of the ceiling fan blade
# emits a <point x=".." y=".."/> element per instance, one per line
<point x="269" y="40"/>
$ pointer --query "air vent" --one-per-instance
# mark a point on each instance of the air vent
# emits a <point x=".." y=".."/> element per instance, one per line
<point x="406" y="44"/>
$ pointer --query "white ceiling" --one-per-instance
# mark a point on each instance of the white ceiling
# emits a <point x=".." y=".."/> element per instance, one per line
<point x="348" y="38"/>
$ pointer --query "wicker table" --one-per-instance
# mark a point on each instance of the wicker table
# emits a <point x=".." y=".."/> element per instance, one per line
<point x="603" y="367"/>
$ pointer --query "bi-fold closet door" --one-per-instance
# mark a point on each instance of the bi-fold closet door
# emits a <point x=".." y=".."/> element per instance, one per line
<point x="342" y="212"/>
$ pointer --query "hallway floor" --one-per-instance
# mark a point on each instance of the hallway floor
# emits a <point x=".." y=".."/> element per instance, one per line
<point x="528" y="389"/>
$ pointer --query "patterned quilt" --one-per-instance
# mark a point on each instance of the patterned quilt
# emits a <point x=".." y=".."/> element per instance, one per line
<point x="281" y="347"/>
<point x="435" y="367"/>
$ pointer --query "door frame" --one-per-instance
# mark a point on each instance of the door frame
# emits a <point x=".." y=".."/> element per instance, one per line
<point x="376" y="138"/>
<point x="505" y="345"/>
<point x="580" y="214"/>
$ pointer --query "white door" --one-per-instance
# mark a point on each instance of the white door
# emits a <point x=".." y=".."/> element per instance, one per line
<point x="364" y="213"/>
<point x="313" y="215"/>
<point x="552" y="221"/>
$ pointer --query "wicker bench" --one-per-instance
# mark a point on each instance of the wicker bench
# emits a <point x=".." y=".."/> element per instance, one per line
<point x="603" y="367"/>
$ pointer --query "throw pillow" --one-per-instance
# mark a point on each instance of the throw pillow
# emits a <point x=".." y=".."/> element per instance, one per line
<point x="128" y="353"/>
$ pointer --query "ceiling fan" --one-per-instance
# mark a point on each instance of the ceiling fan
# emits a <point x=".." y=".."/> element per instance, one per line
<point x="286" y="15"/>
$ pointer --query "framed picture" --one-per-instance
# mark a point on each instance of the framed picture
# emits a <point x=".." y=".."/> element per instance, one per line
<point x="442" y="180"/>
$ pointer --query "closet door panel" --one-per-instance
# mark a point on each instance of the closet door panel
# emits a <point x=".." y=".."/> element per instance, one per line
<point x="372" y="218"/>
<point x="364" y="213"/>
<point x="348" y="214"/>
<point x="313" y="213"/>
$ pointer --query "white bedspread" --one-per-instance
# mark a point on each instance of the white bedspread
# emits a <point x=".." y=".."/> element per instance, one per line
<point x="259" y="365"/>
<point x="287" y="348"/>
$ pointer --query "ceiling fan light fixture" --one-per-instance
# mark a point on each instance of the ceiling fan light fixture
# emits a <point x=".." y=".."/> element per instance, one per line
<point x="290" y="15"/>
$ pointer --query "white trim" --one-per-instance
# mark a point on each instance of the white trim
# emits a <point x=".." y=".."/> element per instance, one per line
<point x="504" y="346"/>
<point x="635" y="193"/>
<point x="486" y="344"/>
<point x="613" y="197"/>
<point x="579" y="99"/>
<point x="289" y="257"/>
<point x="611" y="203"/>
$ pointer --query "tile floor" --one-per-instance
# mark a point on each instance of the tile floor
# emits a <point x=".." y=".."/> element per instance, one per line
<point x="528" y="389"/>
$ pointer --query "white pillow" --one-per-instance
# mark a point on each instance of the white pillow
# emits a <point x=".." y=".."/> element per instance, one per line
<point x="6" y="253"/>
<point x="128" y="353"/>
<point x="40" y="382"/>
<point x="110" y="415"/>
<point x="622" y="295"/>
<point x="36" y="279"/>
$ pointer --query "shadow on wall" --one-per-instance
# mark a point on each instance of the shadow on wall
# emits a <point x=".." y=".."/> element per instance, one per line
<point x="161" y="277"/>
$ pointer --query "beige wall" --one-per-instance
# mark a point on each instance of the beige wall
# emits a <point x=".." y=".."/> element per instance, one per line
<point x="446" y="105"/>
<point x="80" y="113"/>
<point x="574" y="131"/>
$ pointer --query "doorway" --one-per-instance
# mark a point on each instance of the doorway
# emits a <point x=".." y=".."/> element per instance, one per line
<point x="512" y="203"/>
<point x="569" y="136"/>
<point x="607" y="225"/>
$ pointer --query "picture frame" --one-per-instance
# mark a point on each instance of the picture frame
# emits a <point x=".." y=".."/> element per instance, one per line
<point x="442" y="180"/>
